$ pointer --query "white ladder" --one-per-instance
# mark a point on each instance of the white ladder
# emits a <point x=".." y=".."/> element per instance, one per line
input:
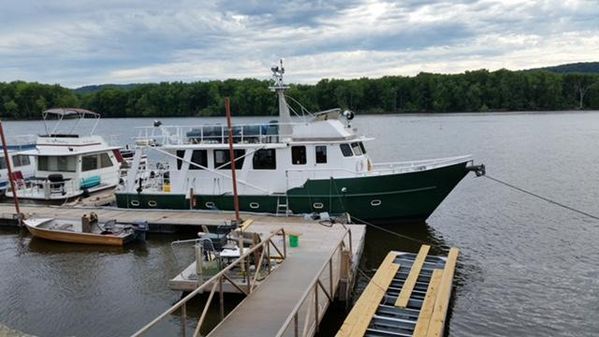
<point x="282" y="207"/>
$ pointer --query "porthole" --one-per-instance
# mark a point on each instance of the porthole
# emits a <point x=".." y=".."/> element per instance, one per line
<point x="152" y="203"/>
<point x="375" y="202"/>
<point x="209" y="204"/>
<point x="134" y="203"/>
<point x="318" y="205"/>
<point x="254" y="205"/>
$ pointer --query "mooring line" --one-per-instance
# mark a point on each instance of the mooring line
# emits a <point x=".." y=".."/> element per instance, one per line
<point x="390" y="231"/>
<point x="542" y="197"/>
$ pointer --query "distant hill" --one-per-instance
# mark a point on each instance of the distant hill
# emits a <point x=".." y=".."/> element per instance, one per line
<point x="92" y="89"/>
<point x="581" y="68"/>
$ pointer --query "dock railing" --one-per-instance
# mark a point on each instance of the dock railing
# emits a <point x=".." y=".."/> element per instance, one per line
<point x="306" y="315"/>
<point x="217" y="281"/>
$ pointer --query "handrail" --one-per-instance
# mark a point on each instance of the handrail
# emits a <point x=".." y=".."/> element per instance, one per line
<point x="315" y="284"/>
<point x="218" y="280"/>
<point x="422" y="162"/>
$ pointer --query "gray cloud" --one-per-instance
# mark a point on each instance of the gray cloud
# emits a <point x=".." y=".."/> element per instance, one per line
<point x="77" y="42"/>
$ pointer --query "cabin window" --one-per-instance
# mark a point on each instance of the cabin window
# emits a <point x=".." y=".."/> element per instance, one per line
<point x="346" y="150"/>
<point x="199" y="157"/>
<point x="180" y="155"/>
<point x="89" y="163"/>
<point x="221" y="157"/>
<point x="20" y="160"/>
<point x="57" y="163"/>
<point x="321" y="154"/>
<point x="105" y="160"/>
<point x="357" y="149"/>
<point x="2" y="163"/>
<point x="362" y="147"/>
<point x="265" y="159"/>
<point x="298" y="155"/>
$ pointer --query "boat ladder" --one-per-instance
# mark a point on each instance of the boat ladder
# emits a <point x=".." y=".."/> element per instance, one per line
<point x="282" y="205"/>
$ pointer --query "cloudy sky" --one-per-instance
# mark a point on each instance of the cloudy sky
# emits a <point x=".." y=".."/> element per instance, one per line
<point x="80" y="42"/>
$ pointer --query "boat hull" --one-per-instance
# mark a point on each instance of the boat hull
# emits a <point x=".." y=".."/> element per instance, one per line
<point x="398" y="197"/>
<point x="78" y="237"/>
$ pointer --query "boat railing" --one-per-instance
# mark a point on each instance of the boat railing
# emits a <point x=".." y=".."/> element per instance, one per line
<point x="263" y="256"/>
<point x="256" y="133"/>
<point x="310" y="309"/>
<point x="46" y="187"/>
<point x="417" y="164"/>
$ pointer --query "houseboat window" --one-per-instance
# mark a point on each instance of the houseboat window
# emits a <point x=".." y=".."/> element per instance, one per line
<point x="265" y="159"/>
<point x="357" y="149"/>
<point x="362" y="147"/>
<point x="20" y="160"/>
<point x="89" y="163"/>
<point x="199" y="157"/>
<point x="105" y="160"/>
<point x="298" y="155"/>
<point x="321" y="154"/>
<point x="346" y="150"/>
<point x="180" y="155"/>
<point x="57" y="163"/>
<point x="221" y="157"/>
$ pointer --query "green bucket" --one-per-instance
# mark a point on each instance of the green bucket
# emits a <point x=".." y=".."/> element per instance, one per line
<point x="293" y="240"/>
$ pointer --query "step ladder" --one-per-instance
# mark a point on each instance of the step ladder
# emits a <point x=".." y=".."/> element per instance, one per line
<point x="282" y="205"/>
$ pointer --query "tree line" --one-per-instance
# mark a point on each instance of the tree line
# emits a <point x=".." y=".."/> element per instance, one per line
<point x="472" y="91"/>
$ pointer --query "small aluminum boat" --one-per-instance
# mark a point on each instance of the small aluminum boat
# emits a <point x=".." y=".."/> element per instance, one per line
<point x="87" y="231"/>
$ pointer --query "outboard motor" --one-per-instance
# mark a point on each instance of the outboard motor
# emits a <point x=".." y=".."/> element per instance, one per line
<point x="140" y="228"/>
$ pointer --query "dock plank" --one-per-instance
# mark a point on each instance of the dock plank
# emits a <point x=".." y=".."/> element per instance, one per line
<point x="444" y="293"/>
<point x="408" y="287"/>
<point x="359" y="318"/>
<point x="426" y="312"/>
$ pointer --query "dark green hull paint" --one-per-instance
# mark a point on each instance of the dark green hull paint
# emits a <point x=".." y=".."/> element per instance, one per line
<point x="403" y="197"/>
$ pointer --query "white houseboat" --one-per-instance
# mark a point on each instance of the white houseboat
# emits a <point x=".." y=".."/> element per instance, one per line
<point x="69" y="165"/>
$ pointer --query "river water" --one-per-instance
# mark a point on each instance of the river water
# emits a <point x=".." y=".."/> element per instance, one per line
<point x="526" y="267"/>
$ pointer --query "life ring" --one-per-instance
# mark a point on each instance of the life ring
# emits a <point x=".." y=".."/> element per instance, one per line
<point x="254" y="205"/>
<point x="360" y="166"/>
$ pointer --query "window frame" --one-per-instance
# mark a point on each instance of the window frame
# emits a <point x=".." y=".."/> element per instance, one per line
<point x="261" y="166"/>
<point x="299" y="150"/>
<point x="318" y="157"/>
<point x="348" y="151"/>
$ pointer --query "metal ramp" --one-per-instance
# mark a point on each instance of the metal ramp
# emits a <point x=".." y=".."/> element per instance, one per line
<point x="408" y="296"/>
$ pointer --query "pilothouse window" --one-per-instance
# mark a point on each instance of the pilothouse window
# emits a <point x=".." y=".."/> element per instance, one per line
<point x="298" y="155"/>
<point x="321" y="154"/>
<point x="180" y="155"/>
<point x="357" y="149"/>
<point x="221" y="157"/>
<point x="199" y="157"/>
<point x="89" y="163"/>
<point x="265" y="159"/>
<point x="346" y="150"/>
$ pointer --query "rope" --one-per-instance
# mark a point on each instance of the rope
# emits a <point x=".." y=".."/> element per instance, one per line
<point x="388" y="231"/>
<point x="542" y="198"/>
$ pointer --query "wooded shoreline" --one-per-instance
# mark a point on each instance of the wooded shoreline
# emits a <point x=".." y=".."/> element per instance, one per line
<point x="472" y="91"/>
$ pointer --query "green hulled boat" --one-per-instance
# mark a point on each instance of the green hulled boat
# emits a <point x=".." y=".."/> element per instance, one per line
<point x="317" y="165"/>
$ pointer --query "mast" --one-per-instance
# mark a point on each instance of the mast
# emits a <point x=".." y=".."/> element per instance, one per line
<point x="232" y="158"/>
<point x="279" y="87"/>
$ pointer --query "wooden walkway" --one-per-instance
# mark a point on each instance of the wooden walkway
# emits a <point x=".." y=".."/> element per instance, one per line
<point x="153" y="217"/>
<point x="408" y="296"/>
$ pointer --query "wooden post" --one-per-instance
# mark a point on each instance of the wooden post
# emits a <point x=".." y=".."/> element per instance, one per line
<point x="232" y="158"/>
<point x="10" y="176"/>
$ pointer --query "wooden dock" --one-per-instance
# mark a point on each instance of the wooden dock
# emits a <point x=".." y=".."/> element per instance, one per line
<point x="408" y="296"/>
<point x="159" y="220"/>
